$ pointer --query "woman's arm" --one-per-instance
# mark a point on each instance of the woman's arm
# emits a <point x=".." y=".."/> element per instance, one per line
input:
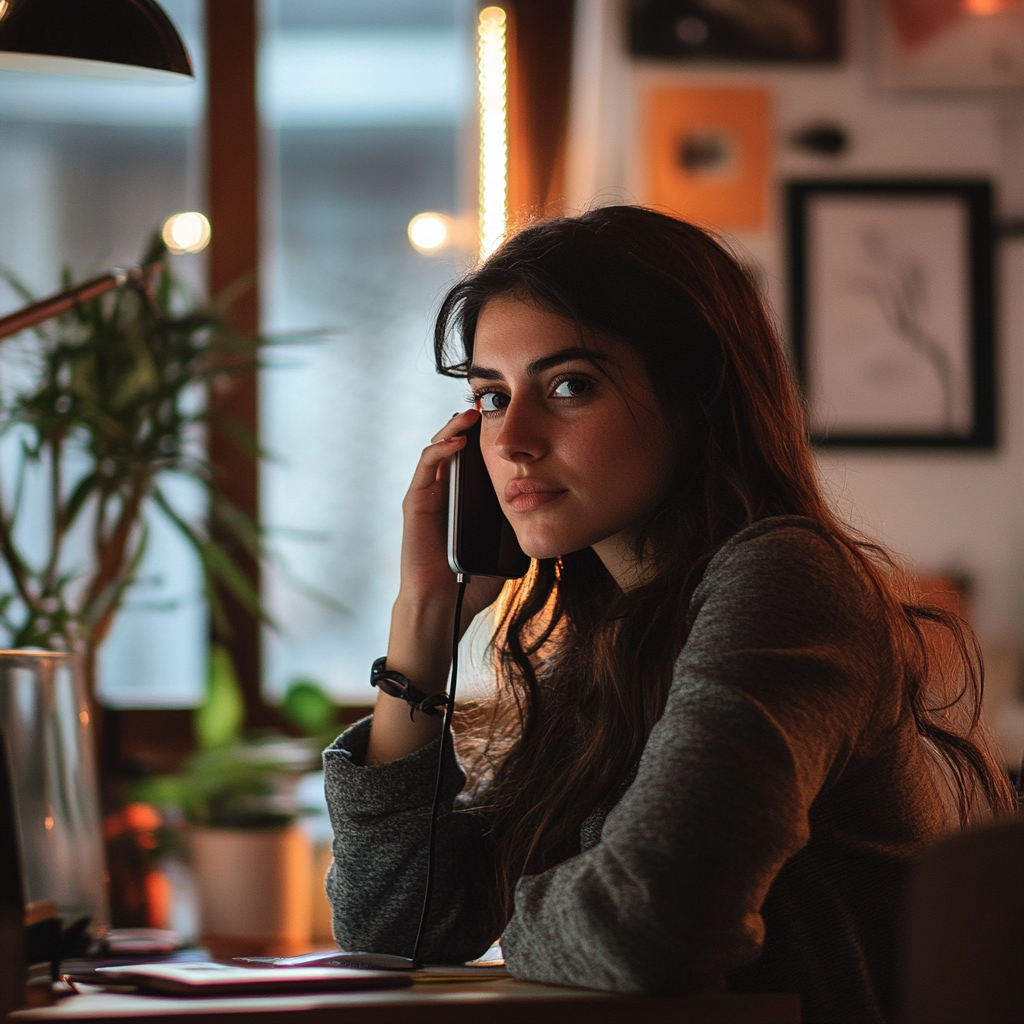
<point x="380" y="817"/>
<point x="380" y="774"/>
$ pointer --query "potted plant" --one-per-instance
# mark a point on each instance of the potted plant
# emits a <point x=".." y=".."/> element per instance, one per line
<point x="236" y="799"/>
<point x="105" y="404"/>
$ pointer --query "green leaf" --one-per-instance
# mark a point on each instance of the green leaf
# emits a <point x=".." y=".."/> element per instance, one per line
<point x="161" y="791"/>
<point x="223" y="567"/>
<point x="242" y="436"/>
<point x="244" y="528"/>
<point x="142" y="382"/>
<point x="79" y="496"/>
<point x="218" y="722"/>
<point x="17" y="285"/>
<point x="218" y="565"/>
<point x="222" y="628"/>
<point x="156" y="250"/>
<point x="307" y="706"/>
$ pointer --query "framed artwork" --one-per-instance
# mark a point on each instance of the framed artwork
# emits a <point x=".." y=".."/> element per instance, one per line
<point x="950" y="44"/>
<point x="891" y="311"/>
<point x="708" y="154"/>
<point x="736" y="30"/>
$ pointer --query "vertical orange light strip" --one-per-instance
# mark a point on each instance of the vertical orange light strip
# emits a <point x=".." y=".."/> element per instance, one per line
<point x="492" y="91"/>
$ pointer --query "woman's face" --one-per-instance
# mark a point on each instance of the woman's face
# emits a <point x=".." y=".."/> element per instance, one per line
<point x="575" y="441"/>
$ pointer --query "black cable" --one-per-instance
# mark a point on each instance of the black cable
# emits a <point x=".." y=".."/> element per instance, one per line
<point x="446" y="730"/>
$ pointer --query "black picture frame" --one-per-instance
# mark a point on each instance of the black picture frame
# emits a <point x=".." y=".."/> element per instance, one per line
<point x="790" y="31"/>
<point x="891" y="311"/>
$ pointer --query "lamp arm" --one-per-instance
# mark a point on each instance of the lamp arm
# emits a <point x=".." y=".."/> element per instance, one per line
<point x="37" y="312"/>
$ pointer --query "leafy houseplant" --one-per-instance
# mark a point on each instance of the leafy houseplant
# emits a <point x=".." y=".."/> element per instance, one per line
<point x="231" y="782"/>
<point x="253" y="865"/>
<point x="99" y="409"/>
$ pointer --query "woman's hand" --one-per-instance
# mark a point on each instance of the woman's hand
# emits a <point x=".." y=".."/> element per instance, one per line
<point x="426" y="574"/>
<point x="422" y="617"/>
<point x="425" y="569"/>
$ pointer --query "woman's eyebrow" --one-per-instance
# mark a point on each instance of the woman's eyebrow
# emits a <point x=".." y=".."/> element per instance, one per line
<point x="566" y="355"/>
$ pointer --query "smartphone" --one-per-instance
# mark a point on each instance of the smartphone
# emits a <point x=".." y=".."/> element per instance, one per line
<point x="481" y="541"/>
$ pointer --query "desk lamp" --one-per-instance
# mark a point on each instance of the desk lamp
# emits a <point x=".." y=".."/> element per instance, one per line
<point x="130" y="39"/>
<point x="125" y="39"/>
<point x="133" y="40"/>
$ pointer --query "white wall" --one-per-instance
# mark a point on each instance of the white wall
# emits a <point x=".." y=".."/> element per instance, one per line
<point x="961" y="512"/>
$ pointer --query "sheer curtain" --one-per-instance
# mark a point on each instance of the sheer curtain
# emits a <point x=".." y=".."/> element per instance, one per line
<point x="368" y="111"/>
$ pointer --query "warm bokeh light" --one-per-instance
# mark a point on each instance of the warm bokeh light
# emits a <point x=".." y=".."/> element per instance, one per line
<point x="186" y="232"/>
<point x="984" y="7"/>
<point x="429" y="232"/>
<point x="492" y="86"/>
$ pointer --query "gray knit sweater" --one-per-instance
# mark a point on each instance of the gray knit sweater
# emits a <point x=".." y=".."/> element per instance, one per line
<point x="764" y="838"/>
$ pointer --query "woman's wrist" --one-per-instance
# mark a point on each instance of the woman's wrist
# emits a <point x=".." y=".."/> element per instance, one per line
<point x="419" y="645"/>
<point x="394" y="734"/>
<point x="424" y="611"/>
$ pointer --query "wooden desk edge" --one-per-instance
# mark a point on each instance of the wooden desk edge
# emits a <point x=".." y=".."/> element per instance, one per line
<point x="505" y="1002"/>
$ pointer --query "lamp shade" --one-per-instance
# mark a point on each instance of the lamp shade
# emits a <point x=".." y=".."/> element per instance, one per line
<point x="100" y="38"/>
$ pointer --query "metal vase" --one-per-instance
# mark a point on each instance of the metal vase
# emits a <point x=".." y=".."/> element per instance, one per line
<point x="45" y="714"/>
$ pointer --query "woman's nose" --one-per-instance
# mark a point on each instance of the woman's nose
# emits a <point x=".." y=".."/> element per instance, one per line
<point x="520" y="437"/>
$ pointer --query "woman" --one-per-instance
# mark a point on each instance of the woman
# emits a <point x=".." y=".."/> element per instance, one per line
<point x="711" y="755"/>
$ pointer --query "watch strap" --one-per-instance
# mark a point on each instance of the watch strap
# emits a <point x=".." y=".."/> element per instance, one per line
<point x="394" y="684"/>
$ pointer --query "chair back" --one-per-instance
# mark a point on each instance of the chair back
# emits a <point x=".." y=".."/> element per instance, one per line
<point x="964" y="936"/>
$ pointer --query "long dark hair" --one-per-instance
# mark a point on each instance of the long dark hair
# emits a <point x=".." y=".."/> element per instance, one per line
<point x="568" y="722"/>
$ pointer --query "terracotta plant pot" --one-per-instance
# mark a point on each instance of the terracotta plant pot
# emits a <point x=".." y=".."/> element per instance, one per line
<point x="254" y="887"/>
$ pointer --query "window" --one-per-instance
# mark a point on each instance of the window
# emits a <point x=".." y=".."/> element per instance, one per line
<point x="367" y="109"/>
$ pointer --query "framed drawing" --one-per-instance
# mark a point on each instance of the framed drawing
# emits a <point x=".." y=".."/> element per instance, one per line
<point x="891" y="310"/>
<point x="708" y="153"/>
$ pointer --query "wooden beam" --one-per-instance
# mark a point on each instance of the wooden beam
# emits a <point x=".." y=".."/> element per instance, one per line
<point x="232" y="146"/>
<point x="540" y="59"/>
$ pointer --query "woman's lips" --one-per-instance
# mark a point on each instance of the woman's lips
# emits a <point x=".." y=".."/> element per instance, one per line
<point x="524" y="495"/>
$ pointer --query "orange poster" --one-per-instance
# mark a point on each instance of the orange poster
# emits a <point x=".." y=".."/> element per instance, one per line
<point x="709" y="154"/>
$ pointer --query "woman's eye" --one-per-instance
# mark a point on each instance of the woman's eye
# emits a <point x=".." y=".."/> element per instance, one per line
<point x="492" y="401"/>
<point x="571" y="387"/>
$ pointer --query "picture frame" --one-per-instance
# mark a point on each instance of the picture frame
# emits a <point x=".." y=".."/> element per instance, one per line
<point x="930" y="47"/>
<point x="708" y="154"/>
<point x="751" y="31"/>
<point x="891" y="309"/>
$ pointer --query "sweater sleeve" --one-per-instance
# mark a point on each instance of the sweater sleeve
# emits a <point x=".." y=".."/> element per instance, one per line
<point x="775" y="686"/>
<point x="375" y="885"/>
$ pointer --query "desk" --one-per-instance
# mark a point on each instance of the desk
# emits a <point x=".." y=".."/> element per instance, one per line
<point x="505" y="1001"/>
